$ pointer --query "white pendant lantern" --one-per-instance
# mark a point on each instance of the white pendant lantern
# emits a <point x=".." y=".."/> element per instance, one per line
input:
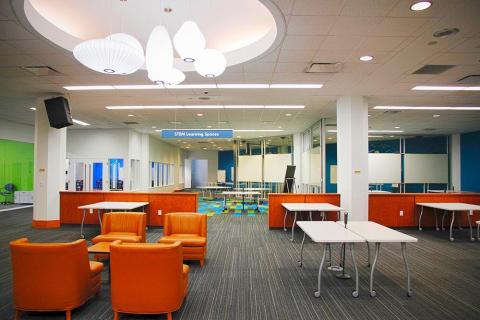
<point x="211" y="63"/>
<point x="169" y="77"/>
<point x="116" y="54"/>
<point x="159" y="51"/>
<point x="189" y="41"/>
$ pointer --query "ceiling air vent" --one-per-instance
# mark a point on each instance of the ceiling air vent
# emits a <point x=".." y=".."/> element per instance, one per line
<point x="433" y="69"/>
<point x="130" y="122"/>
<point x="324" y="67"/>
<point x="41" y="70"/>
<point x="471" y="79"/>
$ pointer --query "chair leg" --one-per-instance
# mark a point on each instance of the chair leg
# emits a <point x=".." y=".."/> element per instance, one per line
<point x="169" y="316"/>
<point x="116" y="315"/>
<point x="68" y="315"/>
<point x="18" y="314"/>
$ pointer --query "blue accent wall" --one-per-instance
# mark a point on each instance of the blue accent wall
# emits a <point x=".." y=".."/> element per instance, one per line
<point x="225" y="162"/>
<point x="330" y="159"/>
<point x="470" y="161"/>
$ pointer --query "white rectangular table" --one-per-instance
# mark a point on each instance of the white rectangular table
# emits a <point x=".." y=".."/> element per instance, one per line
<point x="307" y="207"/>
<point x="446" y="207"/>
<point x="243" y="194"/>
<point x="373" y="232"/>
<point x="329" y="232"/>
<point x="211" y="189"/>
<point x="109" y="205"/>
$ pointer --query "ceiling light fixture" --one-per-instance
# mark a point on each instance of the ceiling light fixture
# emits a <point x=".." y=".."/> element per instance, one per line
<point x="189" y="41"/>
<point x="210" y="63"/>
<point x="80" y="122"/>
<point x="371" y="131"/>
<point x="288" y="114"/>
<point x="366" y="58"/>
<point x="131" y="115"/>
<point x="295" y="86"/>
<point x="436" y="115"/>
<point x="465" y="108"/>
<point x="119" y="53"/>
<point x="420" y="5"/>
<point x="193" y="86"/>
<point x="33" y="108"/>
<point x="445" y="88"/>
<point x="243" y="86"/>
<point x="141" y="107"/>
<point x="284" y="107"/>
<point x="257" y="130"/>
<point x="204" y="107"/>
<point x="199" y="114"/>
<point x="397" y="127"/>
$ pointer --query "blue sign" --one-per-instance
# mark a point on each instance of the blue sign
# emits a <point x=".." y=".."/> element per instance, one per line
<point x="197" y="133"/>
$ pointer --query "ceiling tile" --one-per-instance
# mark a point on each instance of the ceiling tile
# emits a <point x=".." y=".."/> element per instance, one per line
<point x="317" y="7"/>
<point x="32" y="47"/>
<point x="310" y="25"/>
<point x="12" y="30"/>
<point x="261" y="67"/>
<point x="367" y="7"/>
<point x="340" y="43"/>
<point x="299" y="42"/>
<point x="290" y="67"/>
<point x="346" y="25"/>
<point x="402" y="26"/>
<point x="296" y="55"/>
<point x="381" y="43"/>
<point x="469" y="45"/>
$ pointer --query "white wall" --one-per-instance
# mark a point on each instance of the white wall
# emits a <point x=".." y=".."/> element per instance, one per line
<point x="16" y="131"/>
<point x="98" y="143"/>
<point x="211" y="156"/>
<point x="160" y="151"/>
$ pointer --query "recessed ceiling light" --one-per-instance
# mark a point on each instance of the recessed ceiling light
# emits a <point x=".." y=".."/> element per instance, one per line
<point x="244" y="107"/>
<point x="80" y="122"/>
<point x="329" y="138"/>
<point x="257" y="130"/>
<point x="209" y="127"/>
<point x="204" y="148"/>
<point x="76" y="88"/>
<point x="466" y="108"/>
<point x="204" y="107"/>
<point x="445" y="88"/>
<point x="199" y="114"/>
<point x="284" y="107"/>
<point x="33" y="108"/>
<point x="436" y="115"/>
<point x="420" y="5"/>
<point x="371" y="131"/>
<point x="198" y="86"/>
<point x="295" y="86"/>
<point x="187" y="147"/>
<point x="131" y="115"/>
<point x="391" y="136"/>
<point x="154" y="127"/>
<point x="244" y="86"/>
<point x="239" y="136"/>
<point x="141" y="107"/>
<point x="366" y="58"/>
<point x="288" y="114"/>
<point x="397" y="127"/>
<point x="279" y="127"/>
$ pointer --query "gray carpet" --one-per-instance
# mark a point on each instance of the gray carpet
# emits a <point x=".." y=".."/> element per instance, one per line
<point x="251" y="273"/>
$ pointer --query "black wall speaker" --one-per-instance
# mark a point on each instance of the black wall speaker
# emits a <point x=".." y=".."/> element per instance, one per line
<point x="58" y="112"/>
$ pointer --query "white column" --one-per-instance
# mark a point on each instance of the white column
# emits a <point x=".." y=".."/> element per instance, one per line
<point x="297" y="160"/>
<point x="352" y="154"/>
<point x="455" y="164"/>
<point x="49" y="174"/>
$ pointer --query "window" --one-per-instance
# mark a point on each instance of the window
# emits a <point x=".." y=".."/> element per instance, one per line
<point x="116" y="174"/>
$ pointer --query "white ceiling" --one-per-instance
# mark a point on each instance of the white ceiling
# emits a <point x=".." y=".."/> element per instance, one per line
<point x="317" y="30"/>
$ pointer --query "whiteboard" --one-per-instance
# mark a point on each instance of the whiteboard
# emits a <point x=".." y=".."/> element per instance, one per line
<point x="315" y="166"/>
<point x="221" y="174"/>
<point x="384" y="168"/>
<point x="276" y="166"/>
<point x="250" y="168"/>
<point x="426" y="168"/>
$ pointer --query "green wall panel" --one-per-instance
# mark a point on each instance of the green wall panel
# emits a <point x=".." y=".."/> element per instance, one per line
<point x="16" y="164"/>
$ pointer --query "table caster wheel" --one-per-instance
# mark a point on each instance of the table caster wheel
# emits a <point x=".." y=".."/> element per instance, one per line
<point x="472" y="239"/>
<point x="317" y="294"/>
<point x="409" y="294"/>
<point x="291" y="240"/>
<point x="438" y="229"/>
<point x="300" y="264"/>
<point x="82" y="237"/>
<point x="420" y="228"/>
<point x="355" y="294"/>
<point x="451" y="239"/>
<point x="284" y="229"/>
<point x="373" y="293"/>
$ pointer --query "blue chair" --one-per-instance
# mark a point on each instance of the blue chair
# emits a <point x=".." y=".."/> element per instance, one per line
<point x="7" y="191"/>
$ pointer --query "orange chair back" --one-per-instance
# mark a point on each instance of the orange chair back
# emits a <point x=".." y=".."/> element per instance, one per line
<point x="146" y="277"/>
<point x="50" y="276"/>
<point x="185" y="223"/>
<point x="134" y="222"/>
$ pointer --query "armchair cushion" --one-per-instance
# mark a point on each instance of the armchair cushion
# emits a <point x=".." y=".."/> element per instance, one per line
<point x="190" y="240"/>
<point x="112" y="236"/>
<point x="124" y="226"/>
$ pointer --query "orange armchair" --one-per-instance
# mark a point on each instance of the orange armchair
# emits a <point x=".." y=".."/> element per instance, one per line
<point x="124" y="226"/>
<point x="52" y="276"/>
<point x="191" y="230"/>
<point x="147" y="278"/>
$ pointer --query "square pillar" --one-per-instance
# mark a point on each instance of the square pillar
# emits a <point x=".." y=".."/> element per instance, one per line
<point x="455" y="163"/>
<point x="49" y="170"/>
<point x="352" y="154"/>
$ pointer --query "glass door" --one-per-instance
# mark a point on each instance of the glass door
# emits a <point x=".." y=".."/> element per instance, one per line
<point x="85" y="175"/>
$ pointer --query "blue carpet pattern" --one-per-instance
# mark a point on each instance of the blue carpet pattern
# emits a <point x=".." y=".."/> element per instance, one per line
<point x="234" y="207"/>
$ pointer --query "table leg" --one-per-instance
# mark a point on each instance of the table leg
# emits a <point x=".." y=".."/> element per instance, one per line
<point x="404" y="255"/>
<point x="420" y="219"/>
<point x="317" y="293"/>
<point x="343" y="275"/>
<point x="81" y="226"/>
<point x="99" y="219"/>
<point x="293" y="225"/>
<point x="310" y="213"/>
<point x="478" y="231"/>
<point x="436" y="219"/>
<point x="329" y="255"/>
<point x="300" y="262"/>
<point x="451" y="225"/>
<point x="443" y="218"/>
<point x="459" y="224"/>
<point x="368" y="252"/>
<point x="352" y="252"/>
<point x="285" y="220"/>
<point x="373" y="293"/>
<point x="469" y="215"/>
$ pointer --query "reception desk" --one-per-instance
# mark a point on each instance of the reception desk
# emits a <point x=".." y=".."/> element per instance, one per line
<point x="388" y="209"/>
<point x="166" y="202"/>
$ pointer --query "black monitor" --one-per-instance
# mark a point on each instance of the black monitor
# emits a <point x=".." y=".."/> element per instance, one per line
<point x="289" y="180"/>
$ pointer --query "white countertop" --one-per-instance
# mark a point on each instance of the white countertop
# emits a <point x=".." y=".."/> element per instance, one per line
<point x="213" y="187"/>
<point x="374" y="232"/>
<point x="311" y="206"/>
<point x="328" y="232"/>
<point x="450" y="206"/>
<point x="239" y="193"/>
<point x="113" y="205"/>
<point x="253" y="189"/>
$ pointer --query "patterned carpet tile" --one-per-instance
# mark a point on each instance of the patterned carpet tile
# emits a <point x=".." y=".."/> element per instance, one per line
<point x="213" y="207"/>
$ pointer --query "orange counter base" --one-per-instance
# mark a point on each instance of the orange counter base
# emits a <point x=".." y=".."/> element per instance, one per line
<point x="46" y="224"/>
<point x="166" y="202"/>
<point x="383" y="208"/>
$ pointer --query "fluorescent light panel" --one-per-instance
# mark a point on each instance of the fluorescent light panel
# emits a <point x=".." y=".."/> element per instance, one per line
<point x="236" y="130"/>
<point x="424" y="108"/>
<point x="198" y="86"/>
<point x="206" y="107"/>
<point x="80" y="122"/>
<point x="371" y="131"/>
<point x="446" y="88"/>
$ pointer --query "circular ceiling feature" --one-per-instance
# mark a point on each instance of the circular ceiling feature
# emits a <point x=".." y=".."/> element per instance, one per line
<point x="420" y="5"/>
<point x="241" y="30"/>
